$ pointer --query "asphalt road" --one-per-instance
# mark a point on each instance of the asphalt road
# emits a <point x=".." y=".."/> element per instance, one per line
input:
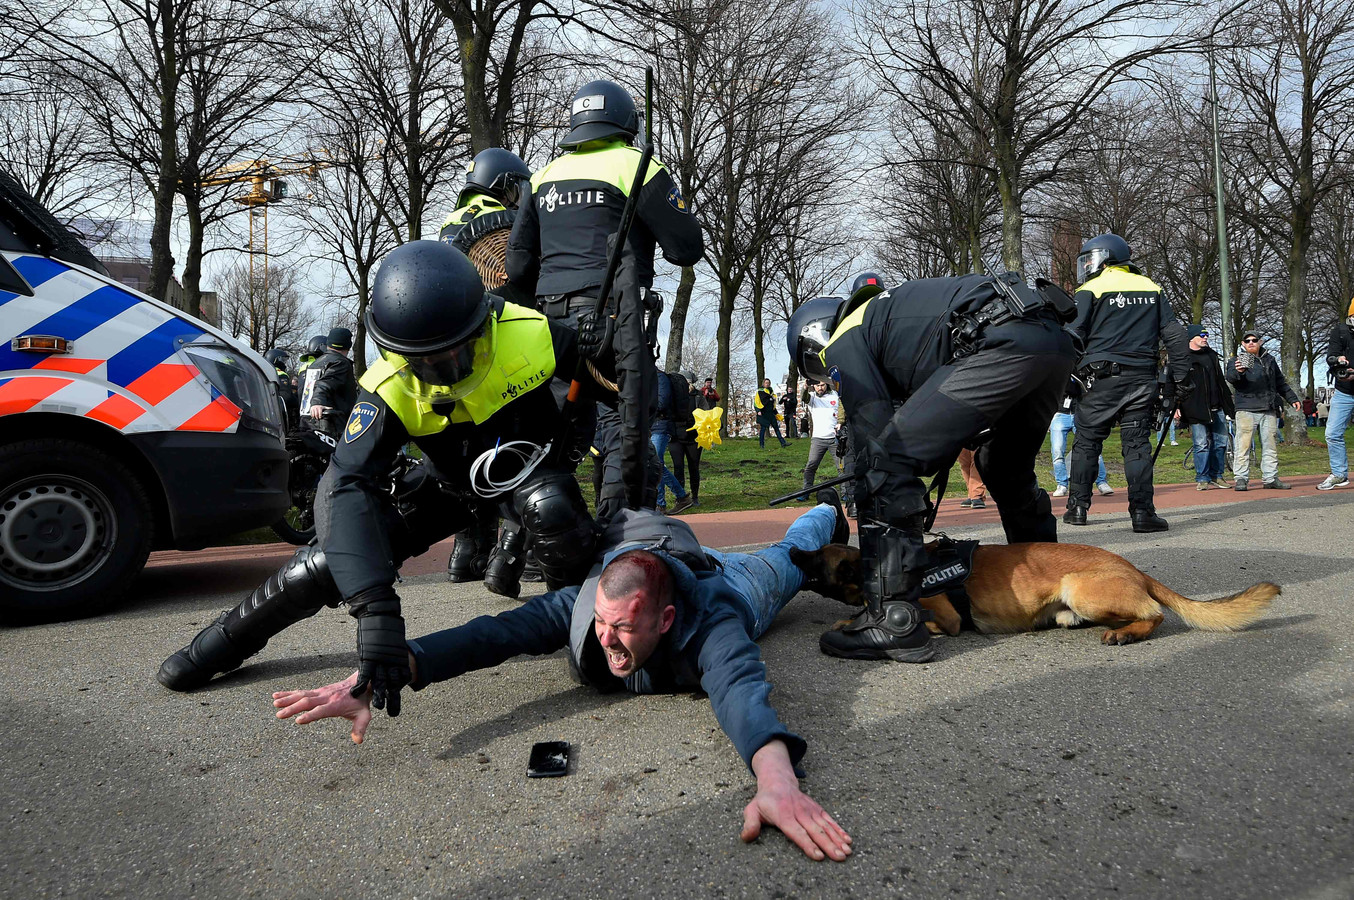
<point x="1042" y="765"/>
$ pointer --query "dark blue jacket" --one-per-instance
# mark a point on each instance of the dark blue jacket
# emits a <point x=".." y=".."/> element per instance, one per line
<point x="709" y="647"/>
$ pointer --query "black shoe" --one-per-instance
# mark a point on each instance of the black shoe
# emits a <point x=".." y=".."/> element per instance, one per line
<point x="211" y="653"/>
<point x="1277" y="485"/>
<point x="1075" y="515"/>
<point x="1241" y="485"/>
<point x="469" y="558"/>
<point x="841" y="530"/>
<point x="896" y="632"/>
<point x="1146" y="521"/>
<point x="531" y="572"/>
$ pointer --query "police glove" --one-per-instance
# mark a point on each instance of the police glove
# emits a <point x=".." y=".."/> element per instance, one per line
<point x="382" y="654"/>
<point x="594" y="335"/>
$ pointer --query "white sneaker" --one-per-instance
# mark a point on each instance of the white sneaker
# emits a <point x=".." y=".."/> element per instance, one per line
<point x="1060" y="492"/>
<point x="1333" y="482"/>
<point x="1104" y="488"/>
<point x="1175" y="443"/>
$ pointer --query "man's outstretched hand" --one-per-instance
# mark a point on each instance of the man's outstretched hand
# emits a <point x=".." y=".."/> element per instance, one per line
<point x="781" y="803"/>
<point x="333" y="701"/>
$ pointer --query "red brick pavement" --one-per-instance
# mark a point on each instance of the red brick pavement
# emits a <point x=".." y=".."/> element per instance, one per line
<point x="757" y="526"/>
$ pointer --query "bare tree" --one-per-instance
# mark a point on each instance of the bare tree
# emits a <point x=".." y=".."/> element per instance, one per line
<point x="1292" y="71"/>
<point x="268" y="311"/>
<point x="1018" y="75"/>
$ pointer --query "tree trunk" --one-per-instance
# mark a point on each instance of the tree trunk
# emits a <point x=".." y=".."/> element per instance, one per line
<point x="474" y="43"/>
<point x="192" y="266"/>
<point x="727" y="293"/>
<point x="360" y="338"/>
<point x="686" y="285"/>
<point x="1012" y="214"/>
<point x="1291" y="349"/>
<point x="161" y="259"/>
<point x="758" y="331"/>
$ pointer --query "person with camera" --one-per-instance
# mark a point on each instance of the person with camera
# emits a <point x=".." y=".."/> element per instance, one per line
<point x="1340" y="364"/>
<point x="1261" y="391"/>
<point x="1122" y="318"/>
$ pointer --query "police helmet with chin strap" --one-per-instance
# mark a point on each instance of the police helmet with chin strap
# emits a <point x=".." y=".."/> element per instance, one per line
<point x="496" y="173"/>
<point x="809" y="331"/>
<point x="600" y="109"/>
<point x="317" y="345"/>
<point x="429" y="306"/>
<point x="1100" y="251"/>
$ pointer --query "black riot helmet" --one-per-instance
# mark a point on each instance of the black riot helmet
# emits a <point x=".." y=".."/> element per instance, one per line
<point x="497" y="173"/>
<point x="808" y="333"/>
<point x="277" y="358"/>
<point x="429" y="307"/>
<point x="600" y="109"/>
<point x="863" y="287"/>
<point x="316" y="346"/>
<point x="1100" y="251"/>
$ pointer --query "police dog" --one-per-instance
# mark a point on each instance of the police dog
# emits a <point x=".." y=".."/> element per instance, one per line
<point x="1024" y="587"/>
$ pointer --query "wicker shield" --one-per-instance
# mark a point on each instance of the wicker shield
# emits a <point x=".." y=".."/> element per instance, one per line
<point x="484" y="240"/>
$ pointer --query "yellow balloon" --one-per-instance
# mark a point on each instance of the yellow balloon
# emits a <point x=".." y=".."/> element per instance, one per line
<point x="707" y="426"/>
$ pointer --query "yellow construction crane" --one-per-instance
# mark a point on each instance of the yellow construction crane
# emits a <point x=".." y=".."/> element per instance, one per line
<point x="266" y="186"/>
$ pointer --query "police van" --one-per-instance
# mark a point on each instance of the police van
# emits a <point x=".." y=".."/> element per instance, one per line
<point x="126" y="425"/>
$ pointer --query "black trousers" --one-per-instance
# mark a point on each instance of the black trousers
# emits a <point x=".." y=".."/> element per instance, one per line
<point x="1126" y="399"/>
<point x="686" y="455"/>
<point x="998" y="400"/>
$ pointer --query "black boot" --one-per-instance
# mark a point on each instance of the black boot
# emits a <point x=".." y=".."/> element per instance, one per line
<point x="504" y="573"/>
<point x="531" y="571"/>
<point x="841" y="529"/>
<point x="1146" y="521"/>
<point x="892" y="624"/>
<point x="470" y="554"/>
<point x="1075" y="515"/>
<point x="298" y="590"/>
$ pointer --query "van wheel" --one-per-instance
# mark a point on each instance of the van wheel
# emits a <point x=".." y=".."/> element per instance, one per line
<point x="75" y="529"/>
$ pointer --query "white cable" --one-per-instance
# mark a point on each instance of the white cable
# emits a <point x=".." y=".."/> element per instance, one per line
<point x="479" y="469"/>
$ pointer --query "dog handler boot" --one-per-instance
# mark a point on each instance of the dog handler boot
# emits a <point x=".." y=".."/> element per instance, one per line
<point x="1146" y="521"/>
<point x="896" y="631"/>
<point x="1075" y="515"/>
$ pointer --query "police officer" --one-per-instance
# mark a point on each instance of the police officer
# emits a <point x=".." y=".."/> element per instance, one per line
<point x="559" y="244"/>
<point x="465" y="375"/>
<point x="286" y="391"/>
<point x="924" y="370"/>
<point x="495" y="182"/>
<point x="1121" y="319"/>
<point x="332" y="386"/>
<point x="558" y="247"/>
<point x="315" y="348"/>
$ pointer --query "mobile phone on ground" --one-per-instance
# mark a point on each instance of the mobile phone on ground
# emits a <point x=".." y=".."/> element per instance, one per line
<point x="549" y="759"/>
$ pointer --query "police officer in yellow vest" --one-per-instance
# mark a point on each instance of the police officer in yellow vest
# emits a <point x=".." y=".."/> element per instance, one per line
<point x="1121" y="319"/>
<point x="558" y="247"/>
<point x="465" y="375"/>
<point x="495" y="182"/>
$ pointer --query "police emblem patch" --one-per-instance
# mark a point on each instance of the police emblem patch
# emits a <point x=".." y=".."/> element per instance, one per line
<point x="362" y="416"/>
<point x="675" y="199"/>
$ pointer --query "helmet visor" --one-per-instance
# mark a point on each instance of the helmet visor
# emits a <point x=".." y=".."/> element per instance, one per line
<point x="812" y="340"/>
<point x="452" y="373"/>
<point x="1090" y="262"/>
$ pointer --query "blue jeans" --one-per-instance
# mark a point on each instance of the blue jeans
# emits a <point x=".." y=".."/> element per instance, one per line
<point x="767" y="580"/>
<point x="1341" y="407"/>
<point x="1210" y="447"/>
<point x="1163" y="428"/>
<point x="660" y="446"/>
<point x="762" y="427"/>
<point x="1057" y="433"/>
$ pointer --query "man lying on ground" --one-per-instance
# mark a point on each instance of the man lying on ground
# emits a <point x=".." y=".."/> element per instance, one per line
<point x="658" y="614"/>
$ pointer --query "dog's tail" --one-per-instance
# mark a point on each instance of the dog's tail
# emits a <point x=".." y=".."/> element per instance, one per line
<point x="1224" y="614"/>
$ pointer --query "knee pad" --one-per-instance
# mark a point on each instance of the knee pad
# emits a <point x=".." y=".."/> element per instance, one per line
<point x="563" y="535"/>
